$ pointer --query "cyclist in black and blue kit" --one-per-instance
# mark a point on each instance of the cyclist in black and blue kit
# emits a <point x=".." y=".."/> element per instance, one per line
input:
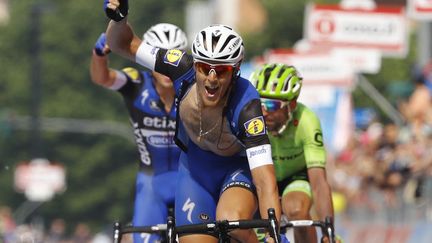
<point x="149" y="98"/>
<point x="225" y="169"/>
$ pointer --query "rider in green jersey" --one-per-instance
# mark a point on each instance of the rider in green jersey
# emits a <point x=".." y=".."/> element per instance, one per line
<point x="297" y="146"/>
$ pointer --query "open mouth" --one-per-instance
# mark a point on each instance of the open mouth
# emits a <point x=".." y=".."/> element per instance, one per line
<point x="211" y="90"/>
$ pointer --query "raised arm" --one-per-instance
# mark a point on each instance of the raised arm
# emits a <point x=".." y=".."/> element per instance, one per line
<point x="100" y="73"/>
<point x="122" y="40"/>
<point x="120" y="36"/>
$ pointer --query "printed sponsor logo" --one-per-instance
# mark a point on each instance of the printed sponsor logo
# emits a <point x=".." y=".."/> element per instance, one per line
<point x="173" y="57"/>
<point x="154" y="51"/>
<point x="142" y="148"/>
<point x="253" y="153"/>
<point x="158" y="122"/>
<point x="145" y="237"/>
<point x="204" y="217"/>
<point x="234" y="45"/>
<point x="154" y="105"/>
<point x="132" y="73"/>
<point x="217" y="33"/>
<point x="255" y="126"/>
<point x="144" y="96"/>
<point x="318" y="138"/>
<point x="160" y="140"/>
<point x="237" y="183"/>
<point x="290" y="157"/>
<point x="197" y="42"/>
<point x="235" y="174"/>
<point x="188" y="207"/>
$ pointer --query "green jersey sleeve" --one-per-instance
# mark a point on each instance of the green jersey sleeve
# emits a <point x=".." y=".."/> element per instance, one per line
<point x="310" y="133"/>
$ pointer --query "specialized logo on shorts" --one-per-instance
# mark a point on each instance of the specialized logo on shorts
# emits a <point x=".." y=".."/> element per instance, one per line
<point x="255" y="127"/>
<point x="188" y="207"/>
<point x="173" y="57"/>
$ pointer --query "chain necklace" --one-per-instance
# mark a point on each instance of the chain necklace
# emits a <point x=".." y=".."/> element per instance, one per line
<point x="201" y="133"/>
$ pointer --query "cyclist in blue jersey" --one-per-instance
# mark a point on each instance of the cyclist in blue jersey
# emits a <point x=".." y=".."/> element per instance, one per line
<point x="149" y="98"/>
<point x="225" y="169"/>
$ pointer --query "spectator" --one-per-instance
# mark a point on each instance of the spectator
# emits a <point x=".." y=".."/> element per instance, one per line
<point x="56" y="233"/>
<point x="81" y="234"/>
<point x="7" y="224"/>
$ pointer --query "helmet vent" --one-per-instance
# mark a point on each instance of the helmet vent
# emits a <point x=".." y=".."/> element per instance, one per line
<point x="223" y="57"/>
<point x="204" y="40"/>
<point x="236" y="53"/>
<point x="267" y="73"/>
<point x="156" y="35"/>
<point x="274" y="86"/>
<point x="167" y="34"/>
<point x="215" y="40"/>
<point x="228" y="39"/>
<point x="285" y="85"/>
<point x="227" y="27"/>
<point x="202" y="54"/>
<point x="281" y="71"/>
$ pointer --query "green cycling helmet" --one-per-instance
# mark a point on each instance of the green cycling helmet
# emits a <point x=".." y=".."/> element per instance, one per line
<point x="277" y="81"/>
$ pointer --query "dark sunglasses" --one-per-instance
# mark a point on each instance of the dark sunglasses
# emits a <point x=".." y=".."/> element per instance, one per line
<point x="219" y="69"/>
<point x="271" y="105"/>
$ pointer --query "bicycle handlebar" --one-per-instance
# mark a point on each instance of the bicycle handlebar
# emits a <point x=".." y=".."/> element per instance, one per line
<point x="326" y="226"/>
<point x="119" y="230"/>
<point x="222" y="227"/>
<point x="227" y="225"/>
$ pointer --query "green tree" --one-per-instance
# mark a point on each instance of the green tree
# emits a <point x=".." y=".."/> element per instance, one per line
<point x="100" y="168"/>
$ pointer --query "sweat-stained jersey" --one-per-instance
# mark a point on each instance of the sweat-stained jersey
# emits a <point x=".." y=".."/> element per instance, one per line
<point x="217" y="142"/>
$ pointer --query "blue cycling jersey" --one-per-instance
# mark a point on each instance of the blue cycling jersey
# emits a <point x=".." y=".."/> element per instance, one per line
<point x="215" y="161"/>
<point x="154" y="128"/>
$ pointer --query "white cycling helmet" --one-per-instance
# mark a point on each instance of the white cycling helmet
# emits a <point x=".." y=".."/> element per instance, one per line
<point x="218" y="43"/>
<point x="166" y="36"/>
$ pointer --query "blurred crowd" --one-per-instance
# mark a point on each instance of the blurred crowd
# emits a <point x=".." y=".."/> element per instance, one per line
<point x="56" y="232"/>
<point x="387" y="167"/>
